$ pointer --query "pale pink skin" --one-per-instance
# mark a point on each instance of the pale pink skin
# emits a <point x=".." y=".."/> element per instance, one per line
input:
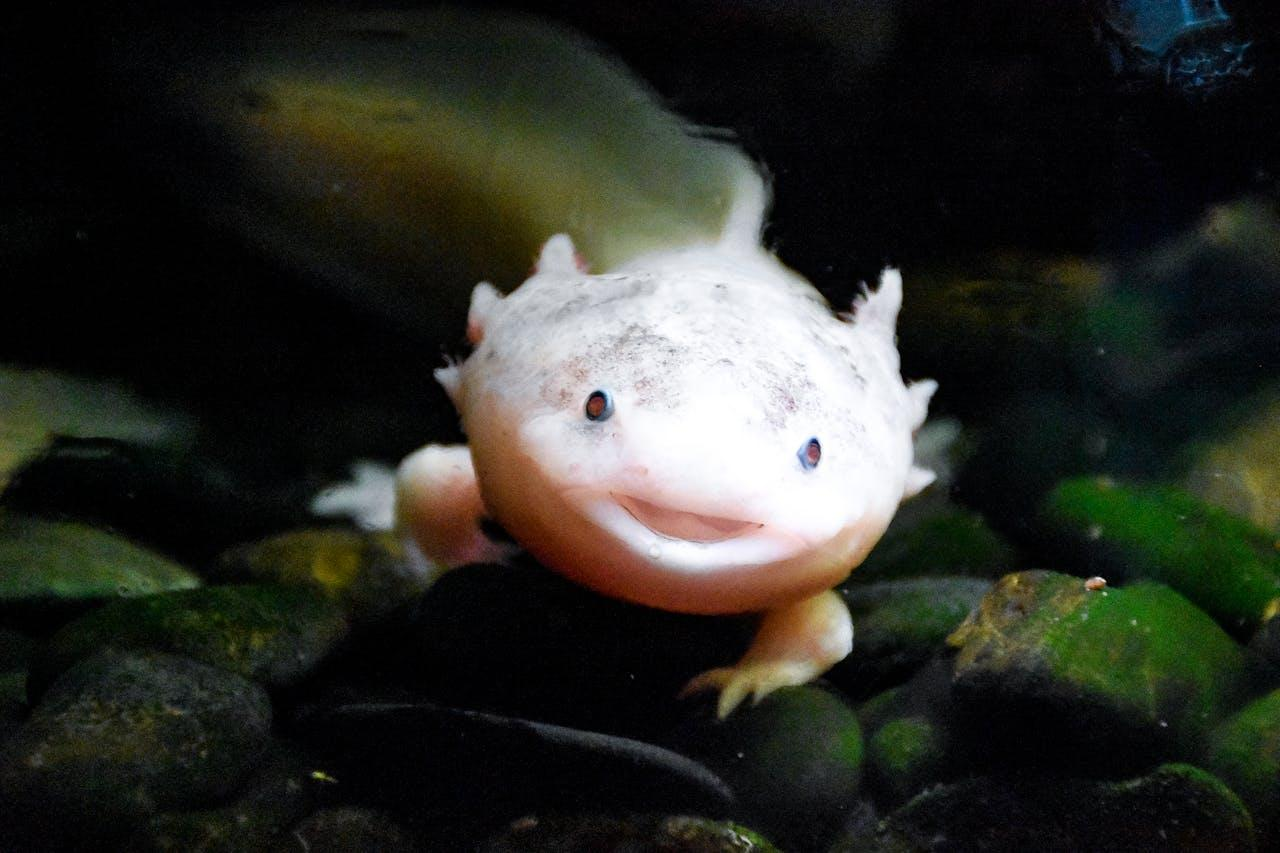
<point x="690" y="496"/>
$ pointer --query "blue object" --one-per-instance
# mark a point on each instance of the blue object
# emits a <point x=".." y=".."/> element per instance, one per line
<point x="1192" y="44"/>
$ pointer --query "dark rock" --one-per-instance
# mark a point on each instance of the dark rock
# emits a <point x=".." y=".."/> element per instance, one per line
<point x="952" y="542"/>
<point x="1224" y="564"/>
<point x="1176" y="807"/>
<point x="478" y="768"/>
<point x="278" y="793"/>
<point x="600" y="834"/>
<point x="524" y="641"/>
<point x="794" y="761"/>
<point x="1245" y="752"/>
<point x="369" y="574"/>
<point x="123" y="735"/>
<point x="344" y="829"/>
<point x="180" y="502"/>
<point x="49" y="562"/>
<point x="899" y="625"/>
<point x="274" y="635"/>
<point x="1100" y="678"/>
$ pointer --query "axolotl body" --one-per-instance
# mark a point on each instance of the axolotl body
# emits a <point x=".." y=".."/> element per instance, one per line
<point x="695" y="431"/>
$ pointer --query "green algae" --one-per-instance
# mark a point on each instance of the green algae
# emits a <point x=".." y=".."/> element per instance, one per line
<point x="1227" y="566"/>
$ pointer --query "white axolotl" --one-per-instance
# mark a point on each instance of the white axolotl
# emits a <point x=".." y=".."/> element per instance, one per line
<point x="695" y="431"/>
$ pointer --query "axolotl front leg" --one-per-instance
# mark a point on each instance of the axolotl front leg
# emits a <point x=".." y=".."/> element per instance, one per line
<point x="795" y="644"/>
<point x="438" y="506"/>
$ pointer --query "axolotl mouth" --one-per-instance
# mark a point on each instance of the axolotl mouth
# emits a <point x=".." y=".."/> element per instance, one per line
<point x="684" y="526"/>
<point x="683" y="541"/>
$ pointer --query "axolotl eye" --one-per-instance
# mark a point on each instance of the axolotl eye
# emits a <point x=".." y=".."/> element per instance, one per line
<point x="599" y="406"/>
<point x="810" y="454"/>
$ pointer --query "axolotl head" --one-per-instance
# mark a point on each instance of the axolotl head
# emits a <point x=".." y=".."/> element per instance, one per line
<point x="696" y="431"/>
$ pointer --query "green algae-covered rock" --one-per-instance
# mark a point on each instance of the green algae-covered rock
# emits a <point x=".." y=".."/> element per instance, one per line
<point x="122" y="735"/>
<point x="900" y="624"/>
<point x="794" y="761"/>
<point x="1245" y="751"/>
<point x="951" y="542"/>
<point x="1175" y="807"/>
<point x="44" y="562"/>
<point x="905" y="755"/>
<point x="601" y="834"/>
<point x="274" y="635"/>
<point x="911" y="739"/>
<point x="1112" y="676"/>
<point x="1224" y="564"/>
<point x="369" y="574"/>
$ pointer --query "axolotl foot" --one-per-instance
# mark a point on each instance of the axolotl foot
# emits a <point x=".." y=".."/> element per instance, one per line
<point x="795" y="644"/>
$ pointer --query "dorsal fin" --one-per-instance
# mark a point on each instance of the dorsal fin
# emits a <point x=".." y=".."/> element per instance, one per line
<point x="877" y="310"/>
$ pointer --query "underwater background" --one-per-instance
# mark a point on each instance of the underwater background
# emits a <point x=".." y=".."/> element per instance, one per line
<point x="234" y="251"/>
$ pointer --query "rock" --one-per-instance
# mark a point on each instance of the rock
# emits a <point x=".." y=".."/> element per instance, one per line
<point x="179" y="501"/>
<point x="911" y="742"/>
<point x="954" y="541"/>
<point x="1049" y="670"/>
<point x="1240" y="471"/>
<point x="529" y="643"/>
<point x="45" y="562"/>
<point x="601" y="834"/>
<point x="794" y="761"/>
<point x="1224" y="564"/>
<point x="1244" y="750"/>
<point x="472" y="768"/>
<point x="900" y="624"/>
<point x="123" y="735"/>
<point x="369" y="574"/>
<point x="342" y="829"/>
<point x="260" y="818"/>
<point x="37" y="406"/>
<point x="1175" y="807"/>
<point x="906" y="753"/>
<point x="274" y="635"/>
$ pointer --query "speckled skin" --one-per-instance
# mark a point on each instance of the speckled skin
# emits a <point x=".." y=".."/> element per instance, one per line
<point x="693" y="494"/>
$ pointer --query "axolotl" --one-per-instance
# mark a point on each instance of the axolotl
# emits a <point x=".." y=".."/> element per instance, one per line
<point x="695" y="430"/>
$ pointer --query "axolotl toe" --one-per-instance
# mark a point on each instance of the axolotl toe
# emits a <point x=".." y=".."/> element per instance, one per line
<point x="695" y="431"/>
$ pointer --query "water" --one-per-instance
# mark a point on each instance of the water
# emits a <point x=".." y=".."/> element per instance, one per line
<point x="1084" y="201"/>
